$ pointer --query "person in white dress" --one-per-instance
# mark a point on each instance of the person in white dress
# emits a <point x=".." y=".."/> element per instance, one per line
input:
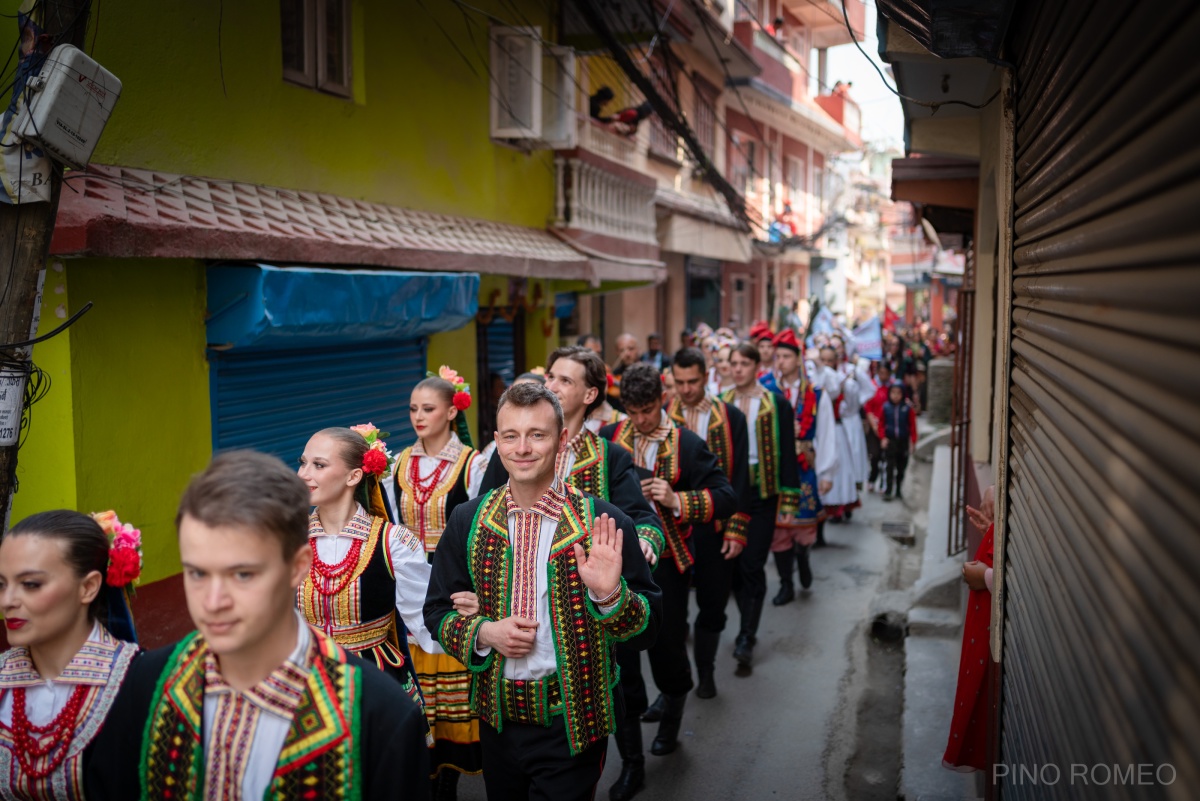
<point x="842" y="496"/>
<point x="62" y="673"/>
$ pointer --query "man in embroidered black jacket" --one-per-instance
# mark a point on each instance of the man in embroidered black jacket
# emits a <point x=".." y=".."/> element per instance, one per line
<point x="718" y="544"/>
<point x="559" y="583"/>
<point x="684" y="480"/>
<point x="255" y="703"/>
<point x="589" y="462"/>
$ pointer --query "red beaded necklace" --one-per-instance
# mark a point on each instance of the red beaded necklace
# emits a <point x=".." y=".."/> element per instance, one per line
<point x="61" y="729"/>
<point x="422" y="492"/>
<point x="423" y="488"/>
<point x="330" y="579"/>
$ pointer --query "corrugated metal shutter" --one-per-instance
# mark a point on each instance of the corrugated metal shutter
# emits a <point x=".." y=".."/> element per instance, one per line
<point x="1102" y="603"/>
<point x="501" y="350"/>
<point x="273" y="401"/>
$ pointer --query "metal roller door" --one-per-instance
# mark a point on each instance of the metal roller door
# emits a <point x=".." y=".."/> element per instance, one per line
<point x="501" y="350"/>
<point x="274" y="400"/>
<point x="1101" y="635"/>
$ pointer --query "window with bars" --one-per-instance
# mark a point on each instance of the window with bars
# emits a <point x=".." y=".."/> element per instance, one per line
<point x="316" y="44"/>
<point x="795" y="180"/>
<point x="663" y="141"/>
<point x="704" y="115"/>
<point x="743" y="155"/>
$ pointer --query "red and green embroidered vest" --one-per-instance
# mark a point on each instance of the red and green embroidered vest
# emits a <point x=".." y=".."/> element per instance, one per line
<point x="319" y="756"/>
<point x="590" y="471"/>
<point x="583" y="637"/>
<point x="666" y="467"/>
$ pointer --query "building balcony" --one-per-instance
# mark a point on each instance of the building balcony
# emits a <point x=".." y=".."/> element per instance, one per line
<point x="824" y="18"/>
<point x="595" y="137"/>
<point x="845" y="112"/>
<point x="604" y="208"/>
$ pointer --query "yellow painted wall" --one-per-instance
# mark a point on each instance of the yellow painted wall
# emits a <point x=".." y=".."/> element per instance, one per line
<point x="204" y="94"/>
<point x="415" y="135"/>
<point x="46" y="462"/>
<point x="140" y="393"/>
<point x="537" y="345"/>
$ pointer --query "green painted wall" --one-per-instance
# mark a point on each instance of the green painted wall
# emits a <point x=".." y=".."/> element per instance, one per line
<point x="46" y="463"/>
<point x="415" y="134"/>
<point x="140" y="392"/>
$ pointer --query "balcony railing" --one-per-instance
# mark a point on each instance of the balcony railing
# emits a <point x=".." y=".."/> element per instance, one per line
<point x="595" y="138"/>
<point x="593" y="199"/>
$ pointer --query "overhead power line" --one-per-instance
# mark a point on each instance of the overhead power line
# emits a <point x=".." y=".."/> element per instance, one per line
<point x="662" y="108"/>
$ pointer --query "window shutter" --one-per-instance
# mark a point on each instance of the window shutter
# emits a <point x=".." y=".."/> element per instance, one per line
<point x="516" y="83"/>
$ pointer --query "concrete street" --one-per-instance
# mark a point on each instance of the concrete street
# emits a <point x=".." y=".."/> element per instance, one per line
<point x="790" y="731"/>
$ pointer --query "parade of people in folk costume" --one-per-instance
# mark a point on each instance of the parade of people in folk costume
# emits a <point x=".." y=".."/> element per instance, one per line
<point x="459" y="577"/>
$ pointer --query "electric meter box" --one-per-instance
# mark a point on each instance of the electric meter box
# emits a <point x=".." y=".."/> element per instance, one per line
<point x="69" y="103"/>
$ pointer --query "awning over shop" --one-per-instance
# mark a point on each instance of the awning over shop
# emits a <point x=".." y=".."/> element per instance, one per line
<point x="120" y="212"/>
<point x="267" y="306"/>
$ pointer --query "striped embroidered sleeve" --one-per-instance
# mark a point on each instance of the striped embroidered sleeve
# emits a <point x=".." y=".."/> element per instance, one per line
<point x="789" y="501"/>
<point x="695" y="506"/>
<point x="737" y="527"/>
<point x="652" y="536"/>
<point x="457" y="635"/>
<point x="628" y="618"/>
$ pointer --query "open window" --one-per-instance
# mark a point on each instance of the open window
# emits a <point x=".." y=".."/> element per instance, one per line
<point x="532" y="90"/>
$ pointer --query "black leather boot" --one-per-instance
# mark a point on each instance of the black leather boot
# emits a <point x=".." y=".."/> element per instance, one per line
<point x="820" y="543"/>
<point x="743" y="650"/>
<point x="785" y="562"/>
<point x="667" y="739"/>
<point x="805" y="567"/>
<point x="654" y="712"/>
<point x="706" y="645"/>
<point x="633" y="762"/>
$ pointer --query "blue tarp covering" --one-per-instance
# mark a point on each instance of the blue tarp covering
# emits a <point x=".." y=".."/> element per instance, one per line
<point x="264" y="306"/>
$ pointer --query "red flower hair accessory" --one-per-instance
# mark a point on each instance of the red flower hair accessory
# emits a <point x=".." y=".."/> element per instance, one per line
<point x="375" y="462"/>
<point x="124" y="550"/>
<point x="378" y="460"/>
<point x="462" y="390"/>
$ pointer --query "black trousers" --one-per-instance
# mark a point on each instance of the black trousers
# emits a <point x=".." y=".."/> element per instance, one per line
<point x="897" y="462"/>
<point x="712" y="576"/>
<point x="874" y="453"/>
<point x="750" y="580"/>
<point x="669" y="663"/>
<point x="533" y="763"/>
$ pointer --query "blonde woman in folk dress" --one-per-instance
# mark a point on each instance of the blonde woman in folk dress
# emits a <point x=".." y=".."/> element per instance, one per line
<point x="59" y="574"/>
<point x="365" y="570"/>
<point x="432" y="477"/>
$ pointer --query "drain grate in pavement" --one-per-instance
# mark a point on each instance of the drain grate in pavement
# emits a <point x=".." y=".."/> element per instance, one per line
<point x="901" y="532"/>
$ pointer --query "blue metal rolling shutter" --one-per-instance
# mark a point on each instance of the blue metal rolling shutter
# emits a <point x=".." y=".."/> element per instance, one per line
<point x="273" y="401"/>
<point x="501" y="350"/>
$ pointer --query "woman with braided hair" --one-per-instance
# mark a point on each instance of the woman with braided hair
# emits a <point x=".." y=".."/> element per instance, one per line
<point x="432" y="477"/>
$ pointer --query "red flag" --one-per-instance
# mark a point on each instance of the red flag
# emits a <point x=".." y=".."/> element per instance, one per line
<point x="890" y="318"/>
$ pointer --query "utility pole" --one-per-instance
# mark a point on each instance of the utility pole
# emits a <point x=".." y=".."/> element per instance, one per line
<point x="25" y="232"/>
